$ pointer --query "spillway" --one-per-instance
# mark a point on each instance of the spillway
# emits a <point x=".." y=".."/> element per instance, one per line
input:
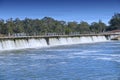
<point x="11" y="44"/>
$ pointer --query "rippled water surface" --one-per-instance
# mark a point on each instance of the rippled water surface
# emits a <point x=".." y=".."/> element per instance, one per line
<point x="97" y="61"/>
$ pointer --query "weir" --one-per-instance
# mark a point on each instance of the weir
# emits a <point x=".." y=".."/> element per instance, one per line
<point x="23" y="42"/>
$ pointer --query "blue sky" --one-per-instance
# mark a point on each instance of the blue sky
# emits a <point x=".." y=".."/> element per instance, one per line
<point x="67" y="10"/>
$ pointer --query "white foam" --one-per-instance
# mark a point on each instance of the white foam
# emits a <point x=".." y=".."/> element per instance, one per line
<point x="35" y="57"/>
<point x="104" y="58"/>
<point x="42" y="42"/>
<point x="62" y="62"/>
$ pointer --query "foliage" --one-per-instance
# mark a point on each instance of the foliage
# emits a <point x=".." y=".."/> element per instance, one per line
<point x="97" y="27"/>
<point x="114" y="22"/>
<point x="49" y="25"/>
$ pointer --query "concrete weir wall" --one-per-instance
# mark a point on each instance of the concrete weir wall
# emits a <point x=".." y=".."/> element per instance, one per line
<point x="12" y="43"/>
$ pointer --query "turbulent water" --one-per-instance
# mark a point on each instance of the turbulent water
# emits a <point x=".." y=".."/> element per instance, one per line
<point x="96" y="61"/>
<point x="16" y="43"/>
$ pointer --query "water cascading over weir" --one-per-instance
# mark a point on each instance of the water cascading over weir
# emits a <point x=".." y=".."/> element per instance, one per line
<point x="12" y="43"/>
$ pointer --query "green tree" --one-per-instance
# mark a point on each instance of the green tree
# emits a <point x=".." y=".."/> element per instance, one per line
<point x="28" y="26"/>
<point x="18" y="26"/>
<point x="83" y="27"/>
<point x="10" y="25"/>
<point x="1" y="26"/>
<point x="102" y="26"/>
<point x="98" y="27"/>
<point x="114" y="22"/>
<point x="72" y="27"/>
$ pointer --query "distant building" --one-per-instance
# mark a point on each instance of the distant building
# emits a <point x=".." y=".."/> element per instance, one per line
<point x="115" y="31"/>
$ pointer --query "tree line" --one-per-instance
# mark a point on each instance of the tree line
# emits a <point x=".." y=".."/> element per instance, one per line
<point x="49" y="25"/>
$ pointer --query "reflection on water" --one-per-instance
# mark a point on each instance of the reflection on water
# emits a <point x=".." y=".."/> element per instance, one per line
<point x="98" y="61"/>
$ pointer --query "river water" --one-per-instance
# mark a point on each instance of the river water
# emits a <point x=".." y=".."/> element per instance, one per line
<point x="97" y="61"/>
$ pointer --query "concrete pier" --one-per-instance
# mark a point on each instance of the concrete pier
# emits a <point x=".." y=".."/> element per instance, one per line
<point x="116" y="38"/>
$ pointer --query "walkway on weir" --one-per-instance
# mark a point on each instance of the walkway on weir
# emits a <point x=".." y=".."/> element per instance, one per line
<point x="54" y="36"/>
